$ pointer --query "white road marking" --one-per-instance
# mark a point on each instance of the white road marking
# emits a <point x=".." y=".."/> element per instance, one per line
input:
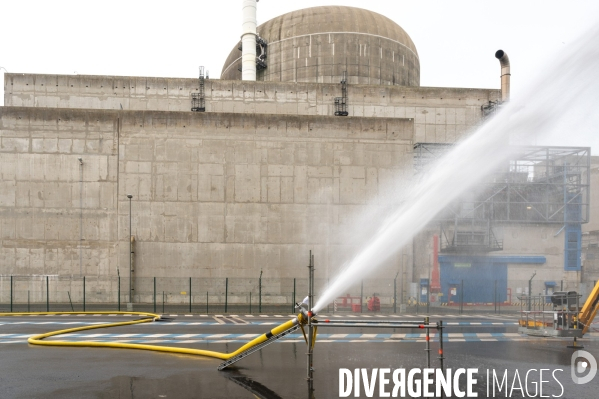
<point x="338" y="336"/>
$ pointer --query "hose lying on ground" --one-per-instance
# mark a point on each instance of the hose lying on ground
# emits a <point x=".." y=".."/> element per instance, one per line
<point x="148" y="318"/>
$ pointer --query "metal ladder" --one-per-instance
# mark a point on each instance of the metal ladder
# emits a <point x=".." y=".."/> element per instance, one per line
<point x="256" y="348"/>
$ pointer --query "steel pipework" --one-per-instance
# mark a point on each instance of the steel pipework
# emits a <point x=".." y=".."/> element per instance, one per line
<point x="505" y="74"/>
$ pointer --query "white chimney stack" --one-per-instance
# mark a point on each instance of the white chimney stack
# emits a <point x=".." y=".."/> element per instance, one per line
<point x="248" y="41"/>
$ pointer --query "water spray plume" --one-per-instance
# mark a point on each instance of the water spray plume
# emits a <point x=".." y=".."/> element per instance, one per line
<point x="560" y="108"/>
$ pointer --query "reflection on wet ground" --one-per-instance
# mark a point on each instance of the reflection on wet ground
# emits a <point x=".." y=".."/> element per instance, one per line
<point x="254" y="387"/>
<point x="278" y="371"/>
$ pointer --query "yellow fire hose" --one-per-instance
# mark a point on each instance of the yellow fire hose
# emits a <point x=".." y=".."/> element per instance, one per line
<point x="150" y="317"/>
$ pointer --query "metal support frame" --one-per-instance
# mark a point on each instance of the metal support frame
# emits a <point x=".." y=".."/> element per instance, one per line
<point x="536" y="184"/>
<point x="314" y="323"/>
<point x="261" y="54"/>
<point x="561" y="321"/>
<point x="428" y="343"/>
<point x="441" y="354"/>
<point x="341" y="102"/>
<point x="426" y="325"/>
<point x="198" y="100"/>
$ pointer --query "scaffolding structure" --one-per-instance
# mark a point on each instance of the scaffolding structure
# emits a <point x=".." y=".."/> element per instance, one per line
<point x="198" y="102"/>
<point x="535" y="185"/>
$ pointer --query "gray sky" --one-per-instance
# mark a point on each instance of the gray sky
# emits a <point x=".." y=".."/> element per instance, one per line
<point x="456" y="40"/>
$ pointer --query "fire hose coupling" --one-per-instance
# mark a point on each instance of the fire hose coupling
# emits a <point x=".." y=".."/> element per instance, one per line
<point x="305" y="312"/>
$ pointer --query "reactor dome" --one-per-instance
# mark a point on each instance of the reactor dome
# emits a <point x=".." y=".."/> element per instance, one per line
<point x="319" y="44"/>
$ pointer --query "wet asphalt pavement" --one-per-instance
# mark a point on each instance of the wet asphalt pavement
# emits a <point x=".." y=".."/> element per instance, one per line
<point x="277" y="371"/>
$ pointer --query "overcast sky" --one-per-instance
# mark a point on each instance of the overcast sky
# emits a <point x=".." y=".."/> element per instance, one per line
<point x="456" y="39"/>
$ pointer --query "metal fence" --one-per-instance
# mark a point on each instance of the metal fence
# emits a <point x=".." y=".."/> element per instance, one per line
<point x="265" y="295"/>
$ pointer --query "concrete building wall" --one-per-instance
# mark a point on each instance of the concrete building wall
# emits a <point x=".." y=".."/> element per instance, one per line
<point x="58" y="217"/>
<point x="441" y="115"/>
<point x="254" y="183"/>
<point x="214" y="195"/>
<point x="536" y="240"/>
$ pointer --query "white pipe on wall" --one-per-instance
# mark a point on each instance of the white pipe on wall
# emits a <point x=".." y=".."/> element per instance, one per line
<point x="248" y="41"/>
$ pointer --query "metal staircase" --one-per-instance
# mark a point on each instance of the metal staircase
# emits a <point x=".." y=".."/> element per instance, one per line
<point x="198" y="99"/>
<point x="341" y="102"/>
